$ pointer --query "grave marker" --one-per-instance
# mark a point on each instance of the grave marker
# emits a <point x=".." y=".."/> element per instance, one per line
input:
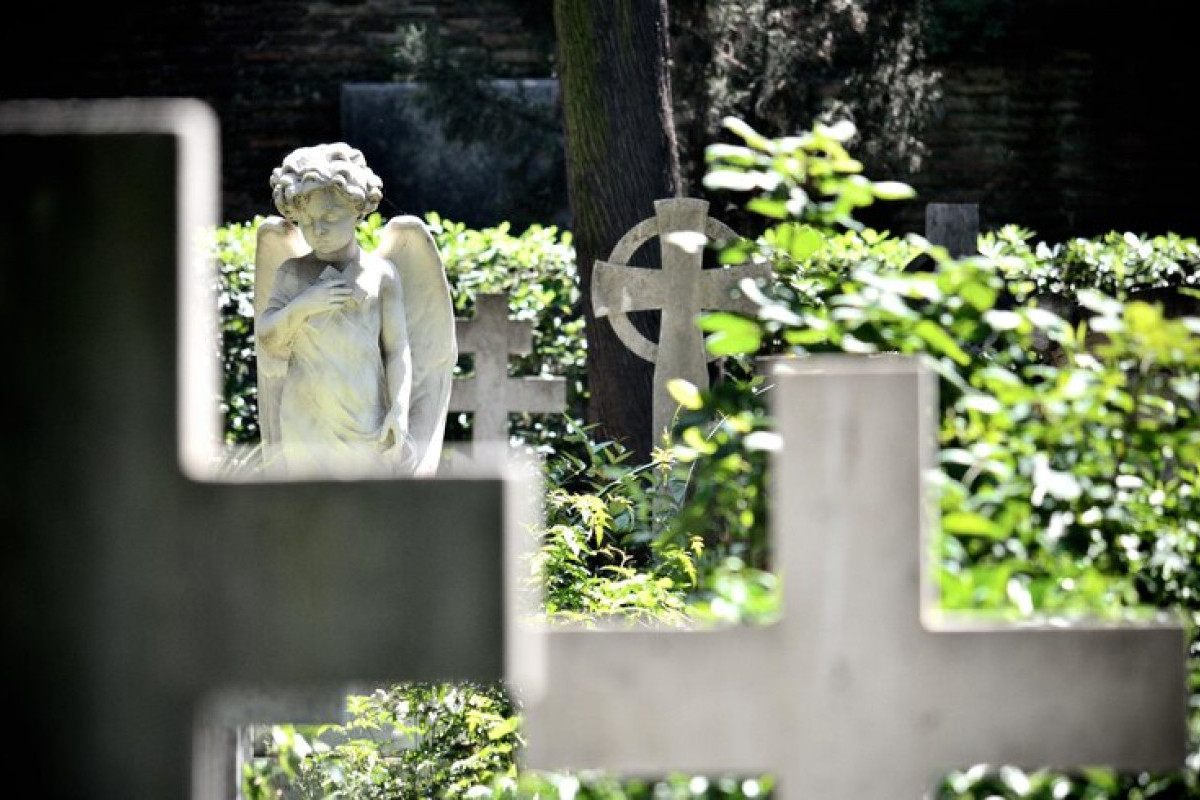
<point x="681" y="290"/>
<point x="954" y="226"/>
<point x="140" y="589"/>
<point x="862" y="690"/>
<point x="491" y="395"/>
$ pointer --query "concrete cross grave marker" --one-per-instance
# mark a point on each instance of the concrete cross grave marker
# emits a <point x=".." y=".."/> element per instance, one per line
<point x="862" y="691"/>
<point x="491" y="395"/>
<point x="680" y="290"/>
<point x="139" y="588"/>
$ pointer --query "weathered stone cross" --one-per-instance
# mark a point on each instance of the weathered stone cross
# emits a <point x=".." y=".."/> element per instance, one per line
<point x="681" y="289"/>
<point x="140" y="588"/>
<point x="862" y="691"/>
<point x="491" y="395"/>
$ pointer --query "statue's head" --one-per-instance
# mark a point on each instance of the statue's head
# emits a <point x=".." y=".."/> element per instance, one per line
<point x="325" y="166"/>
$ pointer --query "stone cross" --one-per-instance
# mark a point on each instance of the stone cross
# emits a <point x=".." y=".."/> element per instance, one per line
<point x="491" y="395"/>
<point x="954" y="226"/>
<point x="681" y="290"/>
<point x="863" y="690"/>
<point x="142" y="587"/>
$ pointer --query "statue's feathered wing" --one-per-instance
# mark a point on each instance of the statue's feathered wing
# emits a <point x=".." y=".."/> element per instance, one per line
<point x="277" y="241"/>
<point x="407" y="243"/>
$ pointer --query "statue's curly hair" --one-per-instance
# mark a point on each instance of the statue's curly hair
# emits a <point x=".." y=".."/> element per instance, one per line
<point x="336" y="165"/>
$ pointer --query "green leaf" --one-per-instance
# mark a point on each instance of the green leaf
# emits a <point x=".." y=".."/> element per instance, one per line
<point x="968" y="523"/>
<point x="731" y="334"/>
<point x="980" y="296"/>
<point x="1099" y="302"/>
<point x="840" y="131"/>
<point x="1003" y="320"/>
<point x="750" y="136"/>
<point x="892" y="190"/>
<point x="731" y="180"/>
<point x="504" y="728"/>
<point x="800" y="241"/>
<point x="685" y="393"/>
<point x="805" y="336"/>
<point x="937" y="338"/>
<point x="731" y="153"/>
<point x="768" y="207"/>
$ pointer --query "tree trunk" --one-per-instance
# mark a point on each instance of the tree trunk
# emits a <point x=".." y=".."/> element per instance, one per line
<point x="613" y="60"/>
<point x="691" y="57"/>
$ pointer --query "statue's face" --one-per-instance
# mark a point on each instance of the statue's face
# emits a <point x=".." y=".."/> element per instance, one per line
<point x="327" y="221"/>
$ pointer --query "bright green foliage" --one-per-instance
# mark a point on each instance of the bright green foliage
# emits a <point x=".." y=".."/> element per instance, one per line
<point x="1118" y="264"/>
<point x="600" y="556"/>
<point x="1068" y="472"/>
<point x="232" y="250"/>
<point x="409" y="741"/>
<point x="1069" y="475"/>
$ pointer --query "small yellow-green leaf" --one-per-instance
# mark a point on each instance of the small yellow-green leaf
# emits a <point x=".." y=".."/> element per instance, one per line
<point x="968" y="523"/>
<point x="685" y="393"/>
<point x="731" y="180"/>
<point x="803" y="241"/>
<point x="892" y="190"/>
<point x="504" y="728"/>
<point x="731" y="334"/>
<point x="767" y="207"/>
<point x="694" y="439"/>
<point x="748" y="134"/>
<point x="803" y="336"/>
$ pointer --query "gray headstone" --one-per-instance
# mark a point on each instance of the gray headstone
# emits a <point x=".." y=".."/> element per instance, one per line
<point x="139" y="589"/>
<point x="481" y="152"/>
<point x="954" y="226"/>
<point x="863" y="689"/>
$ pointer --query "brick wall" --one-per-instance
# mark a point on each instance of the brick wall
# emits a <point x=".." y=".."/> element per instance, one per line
<point x="1076" y="129"/>
<point x="1072" y="146"/>
<point x="1073" y="125"/>
<point x="272" y="70"/>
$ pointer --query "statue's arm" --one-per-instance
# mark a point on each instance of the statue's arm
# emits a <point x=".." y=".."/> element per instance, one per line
<point x="397" y="352"/>
<point x="282" y="317"/>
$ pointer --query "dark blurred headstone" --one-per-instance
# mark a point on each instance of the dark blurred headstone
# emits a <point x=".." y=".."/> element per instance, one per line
<point x="954" y="226"/>
<point x="138" y="590"/>
<point x="478" y="152"/>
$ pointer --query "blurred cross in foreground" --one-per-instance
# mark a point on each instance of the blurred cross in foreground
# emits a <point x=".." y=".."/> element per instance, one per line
<point x="157" y="603"/>
<point x="862" y="689"/>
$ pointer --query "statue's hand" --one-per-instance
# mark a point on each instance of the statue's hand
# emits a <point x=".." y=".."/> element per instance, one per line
<point x="395" y="442"/>
<point x="324" y="296"/>
<point x="394" y="431"/>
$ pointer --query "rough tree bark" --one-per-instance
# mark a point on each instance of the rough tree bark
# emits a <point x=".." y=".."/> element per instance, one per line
<point x="614" y="69"/>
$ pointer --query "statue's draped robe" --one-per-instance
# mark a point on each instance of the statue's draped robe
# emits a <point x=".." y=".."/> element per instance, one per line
<point x="335" y="394"/>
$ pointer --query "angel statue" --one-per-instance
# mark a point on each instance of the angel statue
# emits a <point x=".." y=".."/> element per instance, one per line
<point x="355" y="347"/>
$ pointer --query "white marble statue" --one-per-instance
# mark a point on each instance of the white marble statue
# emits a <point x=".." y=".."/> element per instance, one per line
<point x="355" y="347"/>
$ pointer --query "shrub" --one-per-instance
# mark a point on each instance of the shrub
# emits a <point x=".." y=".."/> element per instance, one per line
<point x="1070" y="449"/>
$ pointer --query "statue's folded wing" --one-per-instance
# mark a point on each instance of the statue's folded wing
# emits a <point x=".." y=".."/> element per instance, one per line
<point x="277" y="241"/>
<point x="407" y="243"/>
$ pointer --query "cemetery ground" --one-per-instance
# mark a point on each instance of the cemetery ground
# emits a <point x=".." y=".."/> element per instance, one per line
<point x="1067" y="474"/>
